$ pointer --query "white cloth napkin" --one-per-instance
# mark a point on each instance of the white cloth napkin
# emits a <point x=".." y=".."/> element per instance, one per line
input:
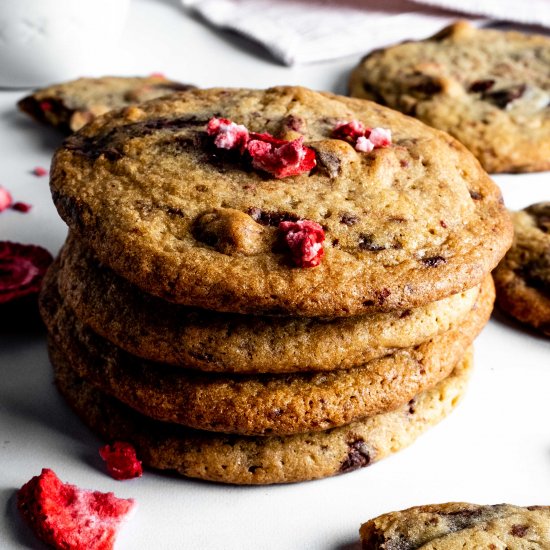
<point x="302" y="31"/>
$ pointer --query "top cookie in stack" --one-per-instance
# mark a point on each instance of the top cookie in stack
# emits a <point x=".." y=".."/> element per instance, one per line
<point x="196" y="224"/>
<point x="268" y="286"/>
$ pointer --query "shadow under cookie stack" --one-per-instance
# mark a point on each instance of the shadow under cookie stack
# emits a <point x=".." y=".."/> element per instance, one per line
<point x="253" y="309"/>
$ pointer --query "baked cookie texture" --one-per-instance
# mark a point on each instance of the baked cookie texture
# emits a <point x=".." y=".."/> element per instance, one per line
<point x="256" y="404"/>
<point x="405" y="225"/>
<point x="522" y="278"/>
<point x="256" y="460"/>
<point x="461" y="525"/>
<point x="149" y="327"/>
<point x="70" y="105"/>
<point x="488" y="88"/>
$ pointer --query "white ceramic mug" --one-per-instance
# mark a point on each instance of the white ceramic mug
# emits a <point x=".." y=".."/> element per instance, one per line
<point x="46" y="41"/>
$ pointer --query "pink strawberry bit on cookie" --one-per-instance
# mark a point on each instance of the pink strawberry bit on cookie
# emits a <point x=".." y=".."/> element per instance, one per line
<point x="69" y="518"/>
<point x="22" y="268"/>
<point x="362" y="138"/>
<point x="305" y="240"/>
<point x="5" y="199"/>
<point x="227" y="134"/>
<point x="279" y="157"/>
<point x="121" y="460"/>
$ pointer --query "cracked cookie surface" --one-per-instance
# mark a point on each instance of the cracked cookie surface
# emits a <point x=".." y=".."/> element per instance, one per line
<point x="490" y="89"/>
<point x="404" y="225"/>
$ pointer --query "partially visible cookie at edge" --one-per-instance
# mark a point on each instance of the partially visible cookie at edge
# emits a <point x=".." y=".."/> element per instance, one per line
<point x="195" y="224"/>
<point x="522" y="279"/>
<point x="70" y="105"/>
<point x="460" y="525"/>
<point x="488" y="88"/>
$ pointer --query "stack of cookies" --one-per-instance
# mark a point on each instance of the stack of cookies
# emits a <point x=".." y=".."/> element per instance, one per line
<point x="267" y="286"/>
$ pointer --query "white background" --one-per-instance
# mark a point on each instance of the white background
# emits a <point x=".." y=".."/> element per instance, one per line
<point x="494" y="448"/>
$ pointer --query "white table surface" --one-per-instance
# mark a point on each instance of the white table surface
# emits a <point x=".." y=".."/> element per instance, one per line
<point x="494" y="448"/>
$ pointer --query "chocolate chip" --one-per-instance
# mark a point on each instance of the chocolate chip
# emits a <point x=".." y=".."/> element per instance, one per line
<point x="541" y="213"/>
<point x="537" y="273"/>
<point x="475" y="195"/>
<point x="501" y="98"/>
<point x="519" y="530"/>
<point x="428" y="87"/>
<point x="358" y="456"/>
<point x="271" y="218"/>
<point x="366" y="242"/>
<point x="433" y="261"/>
<point x="328" y="163"/>
<point x="412" y="409"/>
<point x="347" y="218"/>
<point x="481" y="86"/>
<point x="382" y="295"/>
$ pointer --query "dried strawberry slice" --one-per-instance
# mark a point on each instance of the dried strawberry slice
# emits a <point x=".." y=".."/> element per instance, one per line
<point x="121" y="460"/>
<point x="69" y="518"/>
<point x="22" y="268"/>
<point x="279" y="157"/>
<point x="305" y="240"/>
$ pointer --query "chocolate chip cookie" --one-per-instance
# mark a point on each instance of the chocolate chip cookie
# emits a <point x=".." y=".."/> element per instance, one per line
<point x="259" y="404"/>
<point x="154" y="329"/>
<point x="205" y="199"/>
<point x="488" y="88"/>
<point x="522" y="278"/>
<point x="70" y="105"/>
<point x="459" y="525"/>
<point x="259" y="460"/>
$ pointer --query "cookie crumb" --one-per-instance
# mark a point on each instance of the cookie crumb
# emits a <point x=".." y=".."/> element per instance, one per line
<point x="304" y="238"/>
<point x="121" y="460"/>
<point x="69" y="518"/>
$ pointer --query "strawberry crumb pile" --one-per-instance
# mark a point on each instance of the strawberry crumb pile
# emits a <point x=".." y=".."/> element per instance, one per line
<point x="305" y="240"/>
<point x="362" y="138"/>
<point x="279" y="157"/>
<point x="121" y="460"/>
<point x="6" y="201"/>
<point x="69" y="518"/>
<point x="22" y="268"/>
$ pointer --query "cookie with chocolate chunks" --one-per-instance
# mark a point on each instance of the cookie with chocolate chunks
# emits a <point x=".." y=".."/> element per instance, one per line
<point x="259" y="404"/>
<point x="70" y="105"/>
<point x="461" y="525"/>
<point x="259" y="460"/>
<point x="522" y="278"/>
<point x="488" y="88"/>
<point x="154" y="329"/>
<point x="187" y="197"/>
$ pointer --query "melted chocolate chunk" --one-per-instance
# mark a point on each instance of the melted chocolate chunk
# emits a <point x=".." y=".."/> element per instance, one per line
<point x="358" y="456"/>
<point x="428" y="87"/>
<point x="270" y="217"/>
<point x="475" y="195"/>
<point x="328" y="163"/>
<point x="501" y="98"/>
<point x="366" y="242"/>
<point x="537" y="273"/>
<point x="519" y="530"/>
<point x="541" y="213"/>
<point x="111" y="144"/>
<point x="481" y="86"/>
<point x="295" y="123"/>
<point x="433" y="261"/>
<point x="348" y="219"/>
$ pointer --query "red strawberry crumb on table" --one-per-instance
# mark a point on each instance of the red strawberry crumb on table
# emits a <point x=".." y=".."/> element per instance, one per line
<point x="362" y="138"/>
<point x="39" y="171"/>
<point x="305" y="240"/>
<point x="227" y="134"/>
<point x="121" y="460"/>
<point x="22" y="268"/>
<point x="5" y="199"/>
<point x="23" y="207"/>
<point x="279" y="157"/>
<point x="69" y="518"/>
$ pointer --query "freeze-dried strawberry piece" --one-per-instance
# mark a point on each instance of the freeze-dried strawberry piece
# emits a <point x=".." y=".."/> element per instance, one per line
<point x="227" y="134"/>
<point x="22" y="268"/>
<point x="39" y="171"/>
<point x="21" y="207"/>
<point x="69" y="518"/>
<point x="379" y="137"/>
<point x="279" y="157"/>
<point x="305" y="240"/>
<point x="121" y="460"/>
<point x="363" y="144"/>
<point x="349" y="131"/>
<point x="5" y="199"/>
